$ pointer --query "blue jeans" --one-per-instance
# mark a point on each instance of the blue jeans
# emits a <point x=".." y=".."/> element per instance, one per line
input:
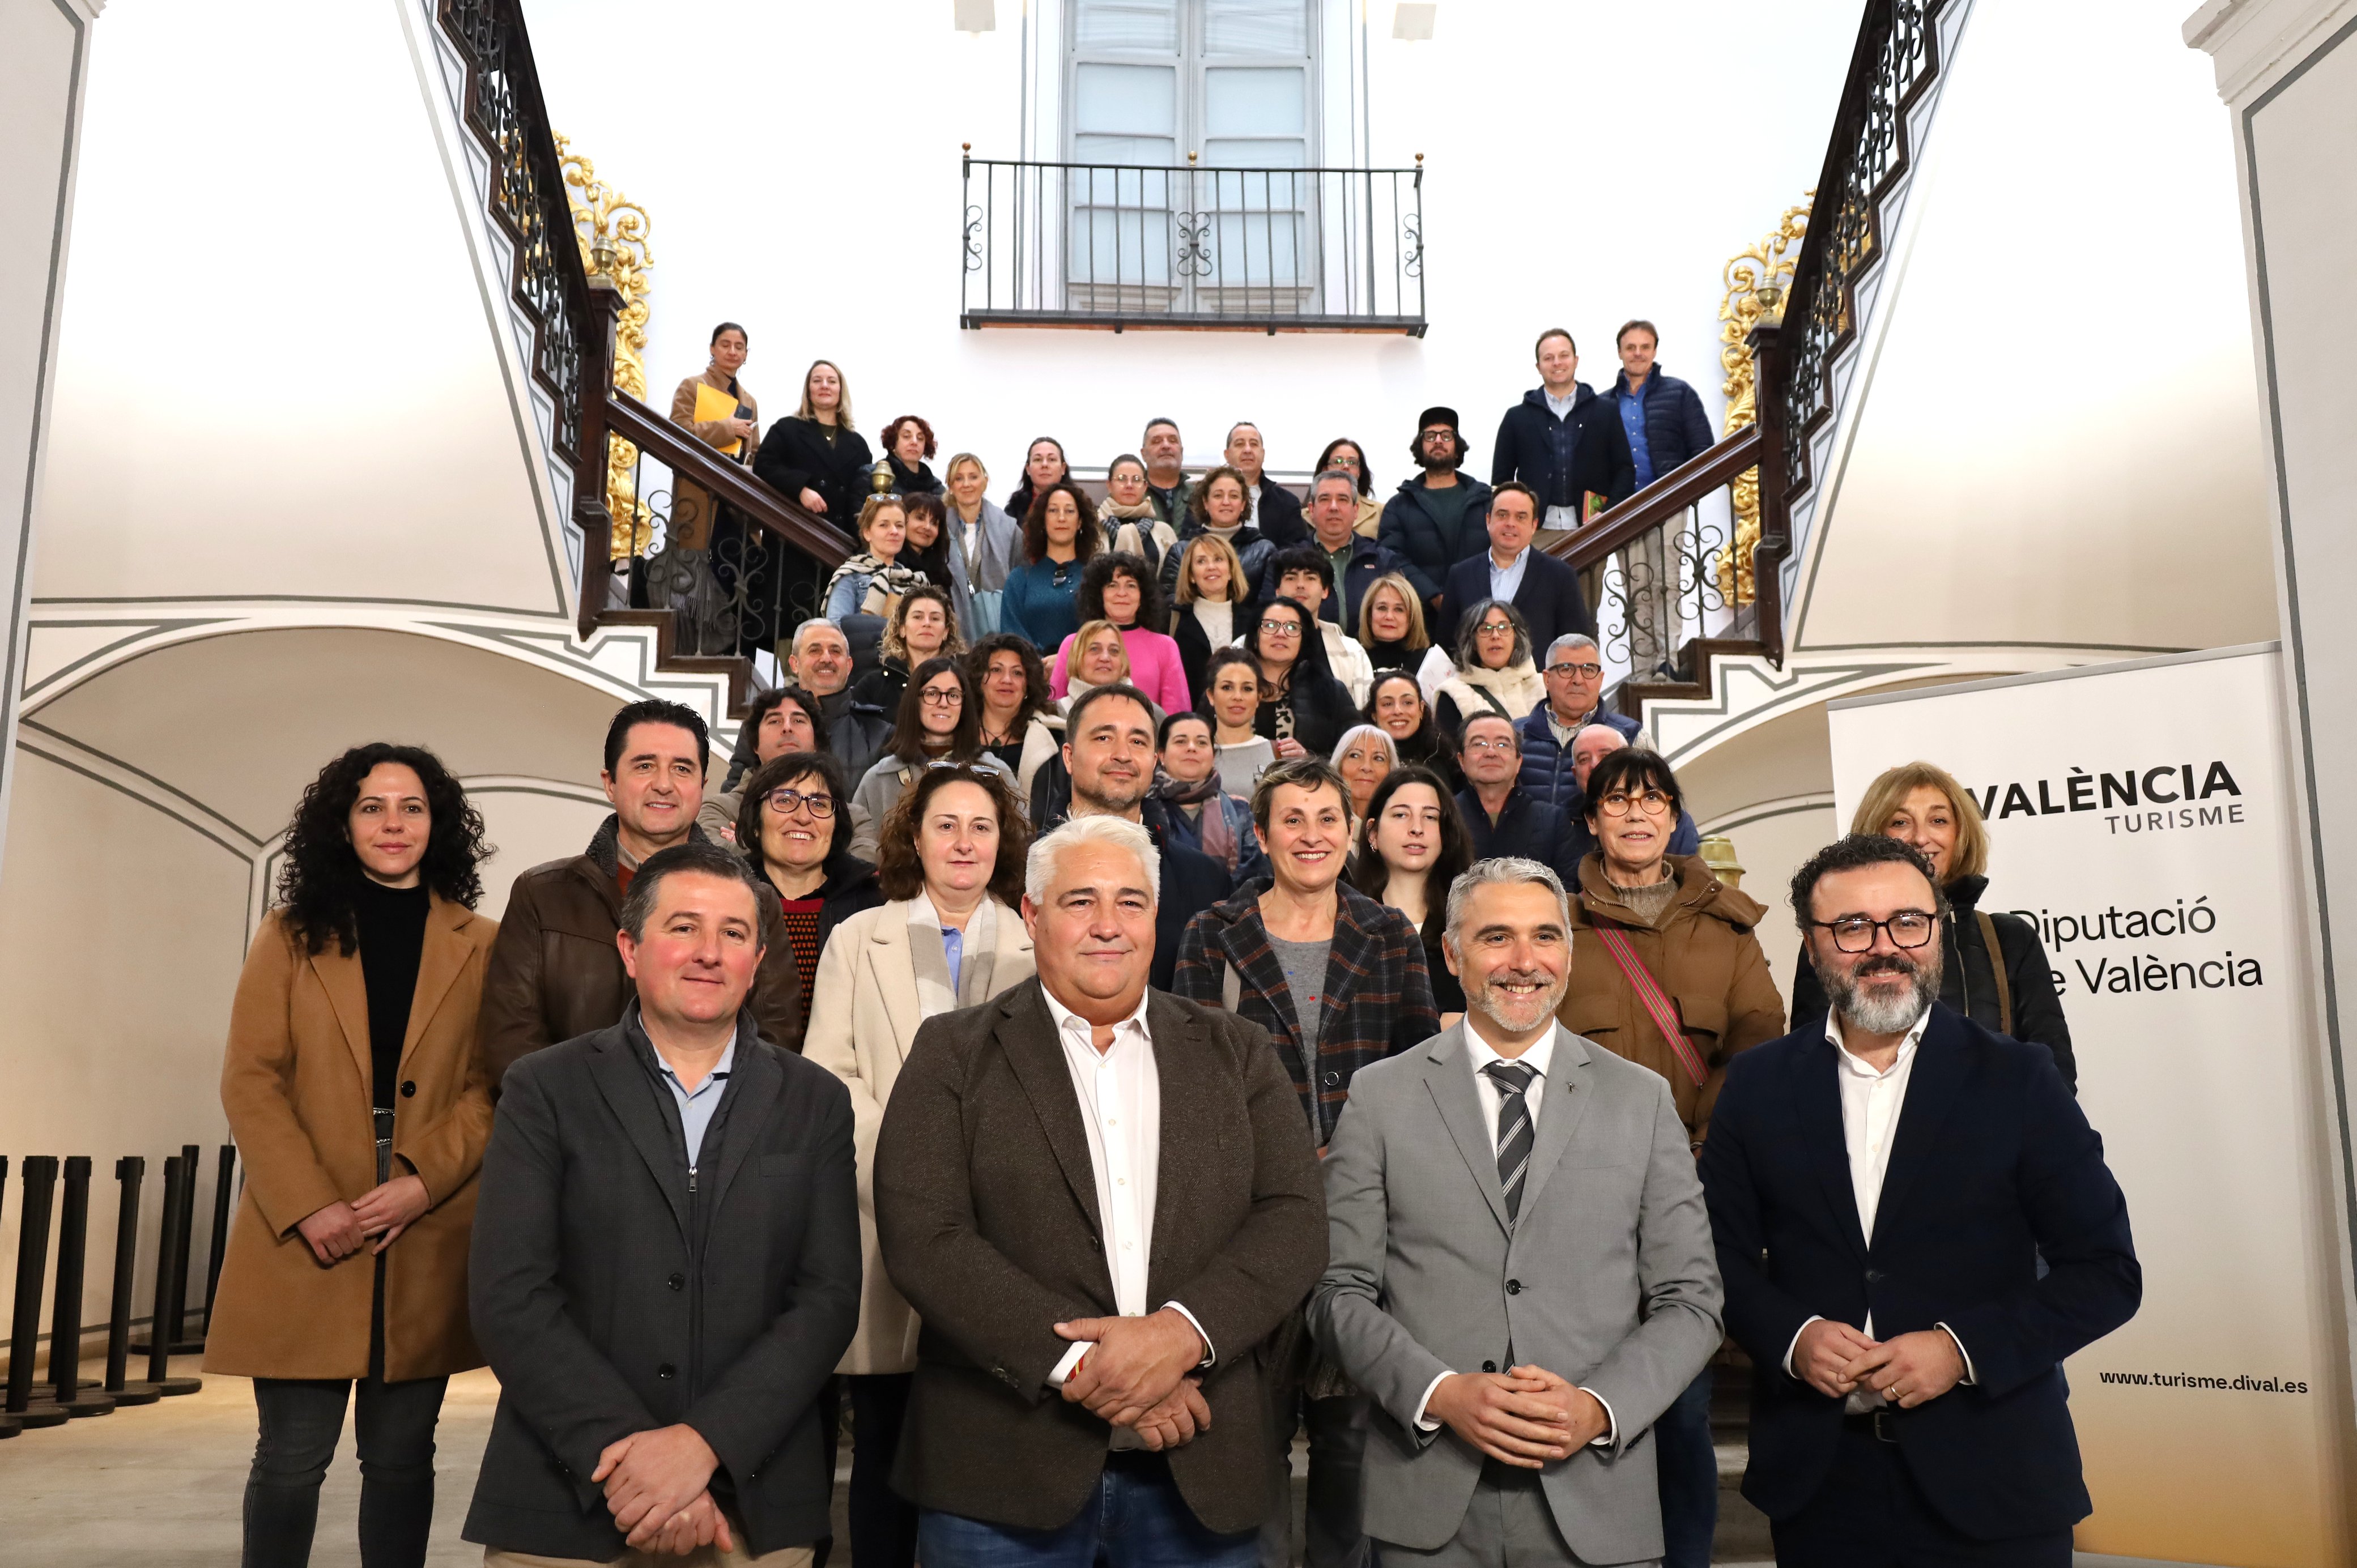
<point x="1137" y="1520"/>
<point x="1686" y="1469"/>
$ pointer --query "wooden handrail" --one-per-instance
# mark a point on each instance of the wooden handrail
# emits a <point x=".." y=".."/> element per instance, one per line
<point x="731" y="484"/>
<point x="1616" y="527"/>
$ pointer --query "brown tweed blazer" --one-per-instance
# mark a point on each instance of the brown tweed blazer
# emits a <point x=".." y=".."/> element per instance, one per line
<point x="987" y="1210"/>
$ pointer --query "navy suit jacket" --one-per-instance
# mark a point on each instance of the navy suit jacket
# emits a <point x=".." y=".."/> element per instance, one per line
<point x="1549" y="598"/>
<point x="1993" y="1165"/>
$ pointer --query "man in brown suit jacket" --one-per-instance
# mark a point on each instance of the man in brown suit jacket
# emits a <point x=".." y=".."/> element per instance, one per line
<point x="555" y="973"/>
<point x="1092" y="1190"/>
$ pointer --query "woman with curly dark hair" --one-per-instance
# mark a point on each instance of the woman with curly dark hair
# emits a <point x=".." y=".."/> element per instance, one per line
<point x="952" y="866"/>
<point x="1020" y="726"/>
<point x="1059" y="535"/>
<point x="1121" y="590"/>
<point x="361" y="1107"/>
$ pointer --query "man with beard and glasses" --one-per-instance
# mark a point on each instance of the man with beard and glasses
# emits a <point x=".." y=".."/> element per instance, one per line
<point x="1908" y="1402"/>
<point x="1510" y="1207"/>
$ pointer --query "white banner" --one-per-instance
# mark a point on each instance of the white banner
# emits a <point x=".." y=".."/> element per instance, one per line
<point x="2140" y="814"/>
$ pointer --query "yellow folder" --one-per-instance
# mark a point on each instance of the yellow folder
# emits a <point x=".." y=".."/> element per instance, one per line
<point x="711" y="402"/>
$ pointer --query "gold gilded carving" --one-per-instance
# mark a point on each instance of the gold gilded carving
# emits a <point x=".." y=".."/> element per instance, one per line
<point x="1757" y="280"/>
<point x="613" y="231"/>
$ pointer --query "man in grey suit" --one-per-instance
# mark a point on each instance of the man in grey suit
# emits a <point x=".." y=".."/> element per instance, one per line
<point x="1521" y="1272"/>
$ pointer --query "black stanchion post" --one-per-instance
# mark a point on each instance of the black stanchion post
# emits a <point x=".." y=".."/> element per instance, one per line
<point x="32" y="1263"/>
<point x="67" y="1392"/>
<point x="9" y="1424"/>
<point x="224" y="1195"/>
<point x="191" y="1160"/>
<point x="171" y="1260"/>
<point x="131" y="1171"/>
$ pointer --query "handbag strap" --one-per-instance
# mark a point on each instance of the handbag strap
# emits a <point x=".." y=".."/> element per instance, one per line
<point x="1996" y="967"/>
<point x="1656" y="1002"/>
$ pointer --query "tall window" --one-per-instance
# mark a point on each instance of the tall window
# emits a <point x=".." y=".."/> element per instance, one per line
<point x="1151" y="80"/>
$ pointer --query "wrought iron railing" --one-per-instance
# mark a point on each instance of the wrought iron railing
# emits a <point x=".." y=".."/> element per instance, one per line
<point x="1053" y="244"/>
<point x="1665" y="568"/>
<point x="778" y="549"/>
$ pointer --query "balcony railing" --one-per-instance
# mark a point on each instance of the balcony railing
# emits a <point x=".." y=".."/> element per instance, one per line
<point x="1119" y="245"/>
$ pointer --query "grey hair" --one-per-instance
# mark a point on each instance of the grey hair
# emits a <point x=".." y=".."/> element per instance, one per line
<point x="1357" y="733"/>
<point x="814" y="622"/>
<point x="1507" y="868"/>
<point x="1570" y="640"/>
<point x="1345" y="474"/>
<point x="1048" y="849"/>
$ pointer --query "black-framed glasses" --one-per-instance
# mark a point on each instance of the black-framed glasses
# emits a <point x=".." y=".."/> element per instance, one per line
<point x="1908" y="929"/>
<point x="783" y="801"/>
<point x="941" y="696"/>
<point x="1653" y="803"/>
<point x="1584" y="672"/>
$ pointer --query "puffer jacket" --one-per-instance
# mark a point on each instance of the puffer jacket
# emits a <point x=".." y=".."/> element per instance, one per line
<point x="1427" y="546"/>
<point x="1546" y="766"/>
<point x="1676" y="430"/>
<point x="1706" y="959"/>
<point x="1968" y="981"/>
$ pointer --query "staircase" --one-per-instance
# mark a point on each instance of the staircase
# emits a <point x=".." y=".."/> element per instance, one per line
<point x="1679" y="580"/>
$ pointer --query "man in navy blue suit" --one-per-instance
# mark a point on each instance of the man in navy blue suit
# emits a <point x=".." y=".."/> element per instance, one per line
<point x="1881" y="1191"/>
<point x="1513" y="569"/>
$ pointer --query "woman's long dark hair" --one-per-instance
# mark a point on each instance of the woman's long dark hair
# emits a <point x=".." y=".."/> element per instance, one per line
<point x="1326" y="460"/>
<point x="1086" y="542"/>
<point x="1370" y="876"/>
<point x="1019" y="499"/>
<point x="1037" y="698"/>
<point x="322" y="874"/>
<point x="1099" y="571"/>
<point x="901" y="869"/>
<point x="1426" y="741"/>
<point x="909" y="733"/>
<point x="1312" y="657"/>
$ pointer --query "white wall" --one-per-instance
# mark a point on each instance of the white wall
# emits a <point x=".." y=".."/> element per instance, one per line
<point x="1587" y="164"/>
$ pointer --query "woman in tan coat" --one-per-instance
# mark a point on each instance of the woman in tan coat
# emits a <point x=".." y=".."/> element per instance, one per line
<point x="358" y="1100"/>
<point x="950" y="863"/>
<point x="1667" y="971"/>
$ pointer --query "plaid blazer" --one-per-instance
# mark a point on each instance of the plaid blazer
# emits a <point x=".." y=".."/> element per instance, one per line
<point x="1378" y="1000"/>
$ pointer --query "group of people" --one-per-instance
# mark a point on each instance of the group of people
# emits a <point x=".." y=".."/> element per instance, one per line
<point x="1081" y="1113"/>
<point x="1163" y="973"/>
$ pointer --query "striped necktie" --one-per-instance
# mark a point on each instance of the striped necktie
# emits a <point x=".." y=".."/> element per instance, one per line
<point x="1514" y="1132"/>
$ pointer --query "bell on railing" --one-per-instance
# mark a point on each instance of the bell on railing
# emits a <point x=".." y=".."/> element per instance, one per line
<point x="880" y="480"/>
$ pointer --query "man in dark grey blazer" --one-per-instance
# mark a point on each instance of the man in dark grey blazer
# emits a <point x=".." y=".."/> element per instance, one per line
<point x="1522" y="1277"/>
<point x="665" y="1266"/>
<point x="1104" y="1203"/>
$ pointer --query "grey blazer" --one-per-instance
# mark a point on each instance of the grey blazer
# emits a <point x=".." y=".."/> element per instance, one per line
<point x="1606" y="1279"/>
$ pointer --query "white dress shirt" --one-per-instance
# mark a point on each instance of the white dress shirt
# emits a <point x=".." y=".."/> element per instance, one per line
<point x="1538" y="1057"/>
<point x="1871" y="1101"/>
<point x="1121" y="1106"/>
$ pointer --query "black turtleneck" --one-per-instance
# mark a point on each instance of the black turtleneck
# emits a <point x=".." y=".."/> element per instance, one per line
<point x="392" y="939"/>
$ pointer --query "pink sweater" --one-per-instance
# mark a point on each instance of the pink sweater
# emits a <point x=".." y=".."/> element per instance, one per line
<point x="1154" y="669"/>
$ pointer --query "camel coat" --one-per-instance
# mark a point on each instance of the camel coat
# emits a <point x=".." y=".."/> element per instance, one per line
<point x="1705" y="958"/>
<point x="863" y="1020"/>
<point x="295" y="1084"/>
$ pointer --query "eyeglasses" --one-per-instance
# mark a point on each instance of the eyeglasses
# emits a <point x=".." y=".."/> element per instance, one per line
<point x="783" y="801"/>
<point x="1501" y="744"/>
<point x="1280" y="628"/>
<point x="1495" y="629"/>
<point x="1653" y="803"/>
<point x="1584" y="672"/>
<point x="941" y="696"/>
<point x="1855" y="933"/>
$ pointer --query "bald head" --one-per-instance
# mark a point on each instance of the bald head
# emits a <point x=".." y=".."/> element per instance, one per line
<point x="1591" y="746"/>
